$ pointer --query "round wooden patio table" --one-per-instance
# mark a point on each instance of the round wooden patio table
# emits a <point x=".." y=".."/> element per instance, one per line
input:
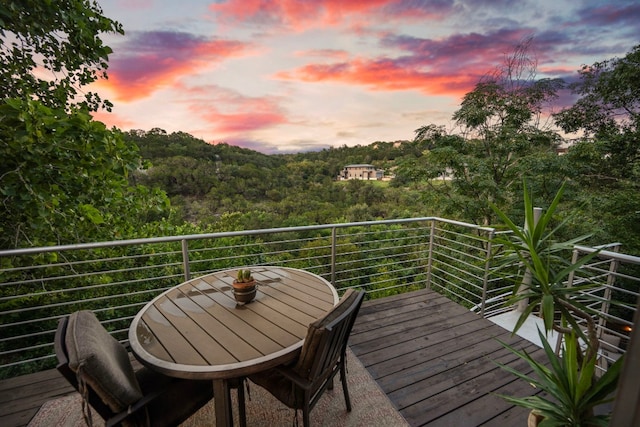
<point x="197" y="330"/>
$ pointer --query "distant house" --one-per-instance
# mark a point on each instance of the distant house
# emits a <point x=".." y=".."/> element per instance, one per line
<point x="363" y="171"/>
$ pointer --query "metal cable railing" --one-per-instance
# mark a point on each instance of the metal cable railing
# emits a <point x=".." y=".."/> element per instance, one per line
<point x="115" y="279"/>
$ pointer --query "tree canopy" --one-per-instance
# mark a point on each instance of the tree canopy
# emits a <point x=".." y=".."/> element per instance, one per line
<point x="64" y="179"/>
<point x="64" y="176"/>
<point x="608" y="113"/>
<point x="61" y="37"/>
<point x="502" y="132"/>
<point x="605" y="160"/>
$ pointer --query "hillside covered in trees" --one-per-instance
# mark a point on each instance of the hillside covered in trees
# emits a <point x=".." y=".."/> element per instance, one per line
<point x="208" y="184"/>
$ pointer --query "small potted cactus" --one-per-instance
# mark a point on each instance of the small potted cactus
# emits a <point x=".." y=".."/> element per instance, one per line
<point x="244" y="286"/>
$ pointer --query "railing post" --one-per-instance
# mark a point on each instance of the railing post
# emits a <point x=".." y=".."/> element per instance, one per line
<point x="485" y="279"/>
<point x="572" y="274"/>
<point x="606" y="303"/>
<point x="574" y="258"/>
<point x="333" y="256"/>
<point x="185" y="260"/>
<point x="430" y="259"/>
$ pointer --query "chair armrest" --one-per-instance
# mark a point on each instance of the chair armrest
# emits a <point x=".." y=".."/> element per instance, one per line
<point x="291" y="375"/>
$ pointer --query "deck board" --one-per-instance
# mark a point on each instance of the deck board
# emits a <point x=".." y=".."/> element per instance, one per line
<point x="22" y="396"/>
<point x="435" y="361"/>
<point x="432" y="357"/>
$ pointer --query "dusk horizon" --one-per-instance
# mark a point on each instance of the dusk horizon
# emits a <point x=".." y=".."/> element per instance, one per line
<point x="285" y="76"/>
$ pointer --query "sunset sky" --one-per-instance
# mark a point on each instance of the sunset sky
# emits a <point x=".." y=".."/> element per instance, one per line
<point x="298" y="75"/>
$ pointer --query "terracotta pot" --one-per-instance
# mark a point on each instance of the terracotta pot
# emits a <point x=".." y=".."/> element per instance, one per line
<point x="243" y="285"/>
<point x="244" y="292"/>
<point x="534" y="419"/>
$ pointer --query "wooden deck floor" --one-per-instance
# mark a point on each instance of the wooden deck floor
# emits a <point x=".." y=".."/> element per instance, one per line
<point x="434" y="360"/>
<point x="432" y="357"/>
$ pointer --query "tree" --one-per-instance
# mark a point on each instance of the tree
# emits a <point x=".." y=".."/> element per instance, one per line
<point x="605" y="161"/>
<point x="502" y="126"/>
<point x="63" y="179"/>
<point x="64" y="176"/>
<point x="61" y="37"/>
<point x="608" y="113"/>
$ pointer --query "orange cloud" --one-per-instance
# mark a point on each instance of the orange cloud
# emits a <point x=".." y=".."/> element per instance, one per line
<point x="226" y="123"/>
<point x="112" y="119"/>
<point x="154" y="60"/>
<point x="324" y="53"/>
<point x="386" y="75"/>
<point x="302" y="15"/>
<point x="449" y="66"/>
<point x="228" y="112"/>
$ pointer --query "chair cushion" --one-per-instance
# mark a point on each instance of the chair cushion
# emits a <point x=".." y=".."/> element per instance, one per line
<point x="316" y="332"/>
<point x="282" y="387"/>
<point x="101" y="361"/>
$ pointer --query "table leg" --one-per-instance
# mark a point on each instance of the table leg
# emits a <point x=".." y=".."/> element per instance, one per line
<point x="222" y="400"/>
<point x="242" y="411"/>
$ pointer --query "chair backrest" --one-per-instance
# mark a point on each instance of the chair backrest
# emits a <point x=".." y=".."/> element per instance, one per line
<point x="327" y="338"/>
<point x="65" y="370"/>
<point x="96" y="364"/>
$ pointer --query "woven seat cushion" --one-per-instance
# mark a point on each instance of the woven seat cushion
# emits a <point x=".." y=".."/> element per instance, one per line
<point x="101" y="361"/>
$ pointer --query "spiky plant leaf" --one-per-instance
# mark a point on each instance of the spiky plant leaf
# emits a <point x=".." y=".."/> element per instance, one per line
<point x="570" y="389"/>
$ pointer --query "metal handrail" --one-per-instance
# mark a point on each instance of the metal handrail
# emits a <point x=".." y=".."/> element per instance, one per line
<point x="115" y="279"/>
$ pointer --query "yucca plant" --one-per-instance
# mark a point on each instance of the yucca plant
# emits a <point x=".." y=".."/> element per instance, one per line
<point x="571" y="389"/>
<point x="570" y="381"/>
<point x="535" y="249"/>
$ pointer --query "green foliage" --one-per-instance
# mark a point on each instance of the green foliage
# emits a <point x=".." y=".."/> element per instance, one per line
<point x="228" y="186"/>
<point x="605" y="161"/>
<point x="570" y="392"/>
<point x="64" y="179"/>
<point x="536" y="249"/>
<point x="570" y="381"/>
<point x="61" y="37"/>
<point x="609" y="101"/>
<point x="501" y="136"/>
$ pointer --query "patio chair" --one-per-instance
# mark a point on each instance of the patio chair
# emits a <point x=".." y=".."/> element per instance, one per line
<point x="301" y="384"/>
<point x="99" y="368"/>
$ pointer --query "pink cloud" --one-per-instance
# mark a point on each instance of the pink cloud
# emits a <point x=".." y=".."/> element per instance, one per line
<point x="450" y="66"/>
<point x="152" y="60"/>
<point x="305" y="14"/>
<point x="385" y="75"/>
<point x="113" y="119"/>
<point x="228" y="112"/>
<point x="242" y="121"/>
<point x="557" y="70"/>
<point x="324" y="53"/>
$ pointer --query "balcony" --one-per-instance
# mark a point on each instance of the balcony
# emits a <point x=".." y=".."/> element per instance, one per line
<point x="425" y="334"/>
